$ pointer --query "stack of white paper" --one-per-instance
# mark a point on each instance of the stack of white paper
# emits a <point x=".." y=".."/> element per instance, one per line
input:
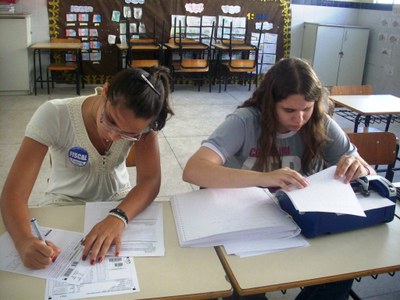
<point x="246" y="221"/>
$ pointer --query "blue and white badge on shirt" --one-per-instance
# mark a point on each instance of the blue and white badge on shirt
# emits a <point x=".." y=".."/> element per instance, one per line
<point x="78" y="156"/>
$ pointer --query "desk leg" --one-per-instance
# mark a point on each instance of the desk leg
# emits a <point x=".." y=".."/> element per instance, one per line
<point x="388" y="120"/>
<point x="218" y="72"/>
<point x="34" y="72"/>
<point x="40" y="69"/>
<point x="357" y="121"/>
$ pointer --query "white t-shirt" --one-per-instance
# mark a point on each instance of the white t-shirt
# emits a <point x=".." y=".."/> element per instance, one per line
<point x="78" y="172"/>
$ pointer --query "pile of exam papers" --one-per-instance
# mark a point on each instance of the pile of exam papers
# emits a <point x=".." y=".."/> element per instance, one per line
<point x="69" y="277"/>
<point x="246" y="221"/>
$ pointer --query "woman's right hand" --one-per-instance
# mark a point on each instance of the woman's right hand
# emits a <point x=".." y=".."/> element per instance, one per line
<point x="36" y="254"/>
<point x="284" y="178"/>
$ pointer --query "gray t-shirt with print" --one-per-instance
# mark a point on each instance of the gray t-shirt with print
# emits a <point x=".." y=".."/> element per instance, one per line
<point x="235" y="141"/>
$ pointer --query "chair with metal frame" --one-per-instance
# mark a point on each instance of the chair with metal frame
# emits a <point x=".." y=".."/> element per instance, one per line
<point x="244" y="67"/>
<point x="377" y="148"/>
<point x="58" y="63"/>
<point x="151" y="50"/>
<point x="197" y="66"/>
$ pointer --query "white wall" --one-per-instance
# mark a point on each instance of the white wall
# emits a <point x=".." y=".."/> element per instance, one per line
<point x="317" y="14"/>
<point x="382" y="69"/>
<point x="39" y="18"/>
<point x="377" y="70"/>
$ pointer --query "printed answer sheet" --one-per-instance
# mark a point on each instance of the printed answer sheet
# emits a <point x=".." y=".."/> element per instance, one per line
<point x="68" y="266"/>
<point x="114" y="276"/>
<point x="144" y="235"/>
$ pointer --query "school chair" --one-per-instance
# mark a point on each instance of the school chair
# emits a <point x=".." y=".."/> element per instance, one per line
<point x="58" y="63"/>
<point x="377" y="148"/>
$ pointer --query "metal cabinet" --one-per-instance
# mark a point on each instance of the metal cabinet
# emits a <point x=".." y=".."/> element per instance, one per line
<point x="336" y="52"/>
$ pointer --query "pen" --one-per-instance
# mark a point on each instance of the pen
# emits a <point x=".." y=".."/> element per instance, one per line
<point x="38" y="232"/>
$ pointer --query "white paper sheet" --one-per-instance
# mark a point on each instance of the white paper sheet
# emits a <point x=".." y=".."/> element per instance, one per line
<point x="68" y="266"/>
<point x="210" y="217"/>
<point x="144" y="235"/>
<point x="326" y="194"/>
<point x="373" y="201"/>
<point x="264" y="246"/>
<point x="114" y="276"/>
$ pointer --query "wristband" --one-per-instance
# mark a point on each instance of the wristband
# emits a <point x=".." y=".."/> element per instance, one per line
<point x="120" y="213"/>
<point x="118" y="217"/>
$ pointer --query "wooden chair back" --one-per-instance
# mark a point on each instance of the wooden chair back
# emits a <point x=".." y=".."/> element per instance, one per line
<point x="351" y="90"/>
<point x="377" y="148"/>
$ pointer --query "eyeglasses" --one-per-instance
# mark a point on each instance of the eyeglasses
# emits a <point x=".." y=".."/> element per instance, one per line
<point x="150" y="84"/>
<point x="107" y="122"/>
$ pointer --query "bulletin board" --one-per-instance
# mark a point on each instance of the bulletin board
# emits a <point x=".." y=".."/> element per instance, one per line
<point x="100" y="24"/>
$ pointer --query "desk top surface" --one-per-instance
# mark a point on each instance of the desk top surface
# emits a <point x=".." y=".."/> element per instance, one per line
<point x="187" y="46"/>
<point x="239" y="47"/>
<point x="369" y="104"/>
<point x="55" y="46"/>
<point x="340" y="256"/>
<point x="194" y="273"/>
<point x="138" y="46"/>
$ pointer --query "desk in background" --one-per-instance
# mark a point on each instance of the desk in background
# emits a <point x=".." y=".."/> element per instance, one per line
<point x="368" y="107"/>
<point x="194" y="273"/>
<point x="187" y="46"/>
<point x="329" y="258"/>
<point x="156" y="49"/>
<point x="39" y="48"/>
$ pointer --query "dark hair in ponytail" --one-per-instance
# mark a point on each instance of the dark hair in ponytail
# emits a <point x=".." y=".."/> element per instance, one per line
<point x="148" y="97"/>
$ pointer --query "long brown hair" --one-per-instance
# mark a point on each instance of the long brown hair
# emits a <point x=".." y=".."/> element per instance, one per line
<point x="290" y="76"/>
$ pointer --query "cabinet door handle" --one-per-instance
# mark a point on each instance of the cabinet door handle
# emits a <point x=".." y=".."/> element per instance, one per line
<point x="341" y="54"/>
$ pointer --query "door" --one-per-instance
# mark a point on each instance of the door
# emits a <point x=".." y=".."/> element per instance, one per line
<point x="355" y="42"/>
<point x="327" y="53"/>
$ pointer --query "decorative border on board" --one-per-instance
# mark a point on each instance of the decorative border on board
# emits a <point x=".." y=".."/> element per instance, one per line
<point x="53" y="7"/>
<point x="287" y="19"/>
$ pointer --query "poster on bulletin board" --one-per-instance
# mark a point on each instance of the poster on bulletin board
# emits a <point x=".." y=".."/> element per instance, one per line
<point x="100" y="25"/>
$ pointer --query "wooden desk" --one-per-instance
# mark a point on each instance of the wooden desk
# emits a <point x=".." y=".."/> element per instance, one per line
<point x="190" y="273"/>
<point x="363" y="252"/>
<point x="38" y="48"/>
<point x="368" y="106"/>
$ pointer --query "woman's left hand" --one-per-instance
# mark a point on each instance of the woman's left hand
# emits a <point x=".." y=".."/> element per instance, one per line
<point x="350" y="167"/>
<point x="99" y="240"/>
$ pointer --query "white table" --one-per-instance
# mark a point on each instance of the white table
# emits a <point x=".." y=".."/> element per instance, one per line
<point x="368" y="106"/>
<point x="329" y="258"/>
<point x="190" y="273"/>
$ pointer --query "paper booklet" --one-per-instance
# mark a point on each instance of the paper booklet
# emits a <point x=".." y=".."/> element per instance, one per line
<point x="212" y="217"/>
<point x="325" y="194"/>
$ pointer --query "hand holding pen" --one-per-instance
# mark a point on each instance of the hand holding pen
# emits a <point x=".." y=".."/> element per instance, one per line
<point x="37" y="230"/>
<point x="36" y="252"/>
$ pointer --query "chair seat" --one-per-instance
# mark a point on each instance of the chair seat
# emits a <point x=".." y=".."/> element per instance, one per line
<point x="145" y="63"/>
<point x="242" y="64"/>
<point x="63" y="67"/>
<point x="194" y="64"/>
<point x="191" y="65"/>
